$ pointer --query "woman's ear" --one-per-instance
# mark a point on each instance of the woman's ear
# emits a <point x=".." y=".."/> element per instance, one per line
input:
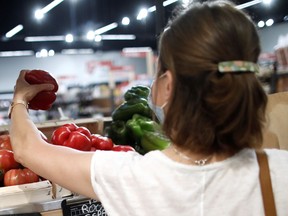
<point x="168" y="84"/>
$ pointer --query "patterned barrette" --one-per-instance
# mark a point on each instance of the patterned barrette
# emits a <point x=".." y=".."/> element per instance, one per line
<point x="237" y="66"/>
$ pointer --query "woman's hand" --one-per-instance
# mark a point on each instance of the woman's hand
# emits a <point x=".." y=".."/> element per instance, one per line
<point x="26" y="92"/>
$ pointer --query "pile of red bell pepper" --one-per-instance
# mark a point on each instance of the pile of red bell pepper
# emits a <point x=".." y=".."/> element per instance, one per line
<point x="73" y="136"/>
<point x="12" y="172"/>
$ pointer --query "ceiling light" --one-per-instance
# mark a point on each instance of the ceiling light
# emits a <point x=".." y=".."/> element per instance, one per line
<point x="261" y="24"/>
<point x="267" y="2"/>
<point x="285" y="18"/>
<point x="16" y="53"/>
<point x="14" y="31"/>
<point x="51" y="6"/>
<point x="168" y="2"/>
<point x="118" y="37"/>
<point x="269" y="22"/>
<point x="51" y="53"/>
<point x="69" y="38"/>
<point x="98" y="38"/>
<point x="248" y="4"/>
<point x="39" y="14"/>
<point x="136" y="49"/>
<point x="106" y="28"/>
<point x="151" y="9"/>
<point x="125" y="21"/>
<point x="77" y="51"/>
<point x="42" y="54"/>
<point x="90" y="35"/>
<point x="142" y="14"/>
<point x="44" y="38"/>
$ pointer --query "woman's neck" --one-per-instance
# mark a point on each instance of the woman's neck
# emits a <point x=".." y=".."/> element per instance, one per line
<point x="189" y="157"/>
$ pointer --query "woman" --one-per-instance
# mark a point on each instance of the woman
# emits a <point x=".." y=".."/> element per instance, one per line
<point x="212" y="108"/>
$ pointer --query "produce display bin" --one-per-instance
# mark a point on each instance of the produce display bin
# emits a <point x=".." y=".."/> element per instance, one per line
<point x="25" y="193"/>
<point x="42" y="196"/>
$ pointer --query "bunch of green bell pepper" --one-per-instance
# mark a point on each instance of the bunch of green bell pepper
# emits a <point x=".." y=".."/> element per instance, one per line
<point x="132" y="123"/>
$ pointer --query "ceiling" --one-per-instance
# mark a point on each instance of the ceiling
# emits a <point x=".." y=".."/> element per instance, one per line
<point x="78" y="16"/>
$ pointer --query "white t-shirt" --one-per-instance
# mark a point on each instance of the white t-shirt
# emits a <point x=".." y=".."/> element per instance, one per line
<point x="129" y="184"/>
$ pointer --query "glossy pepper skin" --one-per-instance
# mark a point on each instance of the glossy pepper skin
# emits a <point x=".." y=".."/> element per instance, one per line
<point x="118" y="132"/>
<point x="100" y="142"/>
<point x="137" y="92"/>
<point x="44" y="99"/>
<point x="147" y="133"/>
<point x="139" y="124"/>
<point x="122" y="148"/>
<point x="154" y="141"/>
<point x="135" y="102"/>
<point x="70" y="135"/>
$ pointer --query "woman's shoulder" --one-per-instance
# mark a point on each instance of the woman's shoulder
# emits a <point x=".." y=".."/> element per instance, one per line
<point x="278" y="159"/>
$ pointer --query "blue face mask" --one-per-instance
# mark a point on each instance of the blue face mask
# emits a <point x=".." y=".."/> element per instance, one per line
<point x="158" y="110"/>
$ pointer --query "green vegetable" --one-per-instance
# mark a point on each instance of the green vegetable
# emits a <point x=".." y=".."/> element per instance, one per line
<point x="125" y="111"/>
<point x="137" y="92"/>
<point x="154" y="141"/>
<point x="118" y="132"/>
<point x="139" y="124"/>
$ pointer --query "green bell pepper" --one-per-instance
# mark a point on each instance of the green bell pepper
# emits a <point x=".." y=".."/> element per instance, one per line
<point x="136" y="92"/>
<point x="154" y="141"/>
<point x="118" y="132"/>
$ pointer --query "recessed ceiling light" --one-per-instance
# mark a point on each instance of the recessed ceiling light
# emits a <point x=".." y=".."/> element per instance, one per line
<point x="269" y="22"/>
<point x="69" y="38"/>
<point x="90" y="35"/>
<point x="125" y="21"/>
<point x="98" y="38"/>
<point x="39" y="14"/>
<point x="261" y="24"/>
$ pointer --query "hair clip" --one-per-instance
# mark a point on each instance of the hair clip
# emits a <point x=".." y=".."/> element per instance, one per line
<point x="237" y="66"/>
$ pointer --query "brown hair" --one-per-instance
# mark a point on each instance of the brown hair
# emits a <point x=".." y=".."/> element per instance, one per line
<point x="209" y="111"/>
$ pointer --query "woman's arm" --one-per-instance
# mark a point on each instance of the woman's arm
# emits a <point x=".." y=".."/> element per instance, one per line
<point x="67" y="167"/>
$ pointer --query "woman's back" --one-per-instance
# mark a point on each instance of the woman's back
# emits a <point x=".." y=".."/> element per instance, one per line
<point x="156" y="185"/>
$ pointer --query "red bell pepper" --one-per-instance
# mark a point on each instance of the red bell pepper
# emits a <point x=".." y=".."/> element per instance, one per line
<point x="20" y="176"/>
<point x="101" y="142"/>
<point x="7" y="160"/>
<point x="124" y="148"/>
<point x="44" y="99"/>
<point x="72" y="136"/>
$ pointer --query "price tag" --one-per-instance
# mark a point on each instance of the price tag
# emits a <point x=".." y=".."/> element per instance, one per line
<point x="84" y="206"/>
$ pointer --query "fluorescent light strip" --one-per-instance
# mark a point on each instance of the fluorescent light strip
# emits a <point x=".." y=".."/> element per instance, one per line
<point x="165" y="3"/>
<point x="44" y="38"/>
<point x="151" y="9"/>
<point x="136" y="49"/>
<point x="77" y="51"/>
<point x="16" y="53"/>
<point x="14" y="31"/>
<point x="248" y="4"/>
<point x="51" y="6"/>
<point x="106" y="28"/>
<point x="118" y="37"/>
<point x="168" y="2"/>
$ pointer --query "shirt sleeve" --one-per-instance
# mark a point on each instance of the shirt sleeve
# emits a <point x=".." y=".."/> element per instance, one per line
<point x="110" y="171"/>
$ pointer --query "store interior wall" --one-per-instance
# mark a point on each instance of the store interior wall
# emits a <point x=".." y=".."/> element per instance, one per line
<point x="73" y="67"/>
<point x="76" y="65"/>
<point x="269" y="36"/>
